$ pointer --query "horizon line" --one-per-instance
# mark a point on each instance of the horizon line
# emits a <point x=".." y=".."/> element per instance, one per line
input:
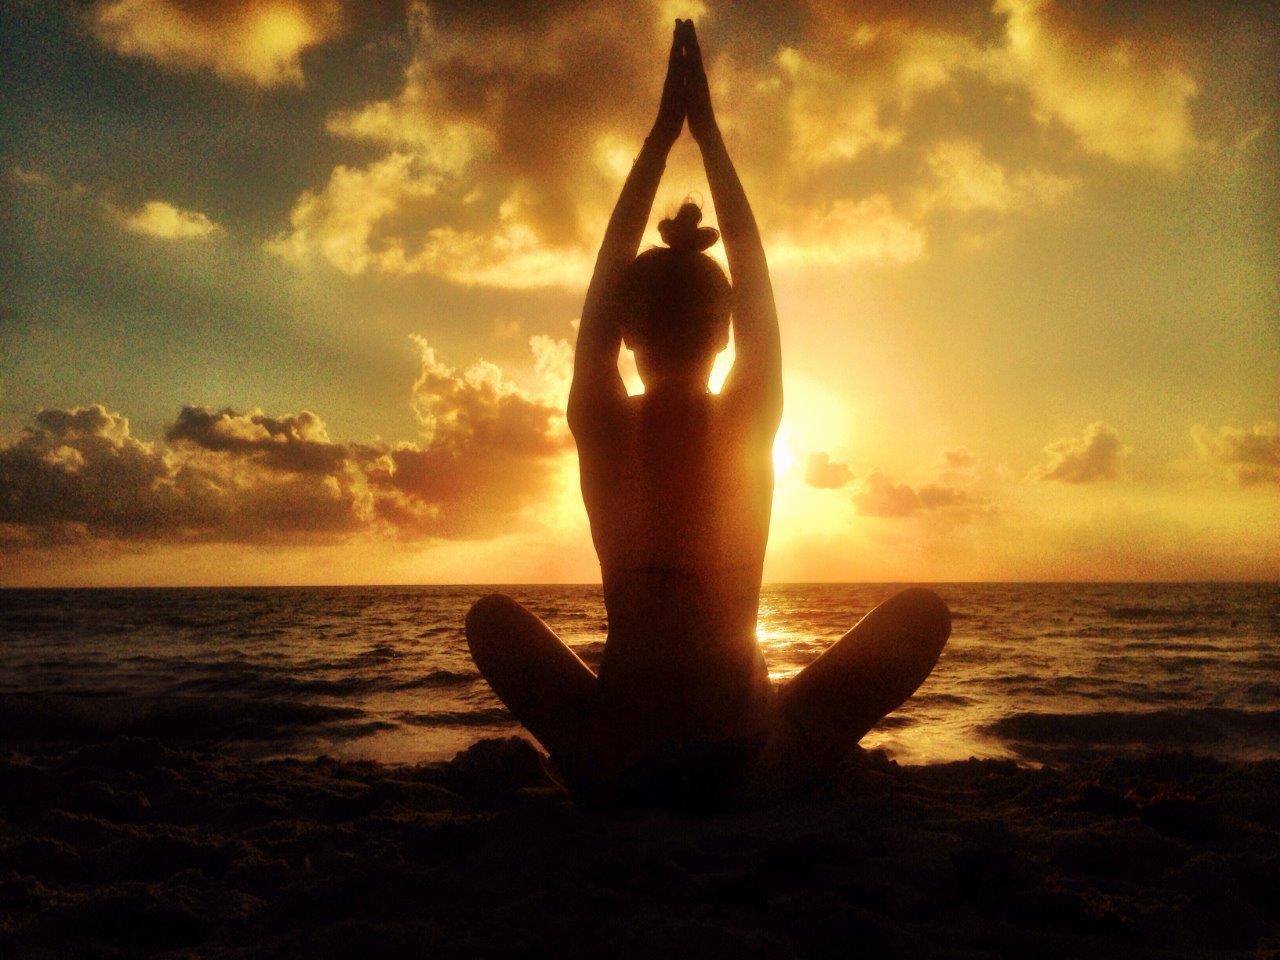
<point x="596" y="583"/>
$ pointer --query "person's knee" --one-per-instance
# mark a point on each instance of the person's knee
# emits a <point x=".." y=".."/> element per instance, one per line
<point x="928" y="612"/>
<point x="488" y="621"/>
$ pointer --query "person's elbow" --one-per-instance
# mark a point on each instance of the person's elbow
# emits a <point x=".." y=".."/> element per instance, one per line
<point x="575" y="410"/>
<point x="771" y="407"/>
<point x="583" y="407"/>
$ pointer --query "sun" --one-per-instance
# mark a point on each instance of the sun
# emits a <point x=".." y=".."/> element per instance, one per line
<point x="783" y="458"/>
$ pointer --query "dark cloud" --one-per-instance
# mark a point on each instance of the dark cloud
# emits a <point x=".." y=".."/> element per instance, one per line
<point x="826" y="474"/>
<point x="296" y="443"/>
<point x="1093" y="456"/>
<point x="79" y="474"/>
<point x="489" y="449"/>
<point x="1252" y="454"/>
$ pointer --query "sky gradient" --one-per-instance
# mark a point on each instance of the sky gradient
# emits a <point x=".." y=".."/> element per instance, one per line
<point x="289" y="288"/>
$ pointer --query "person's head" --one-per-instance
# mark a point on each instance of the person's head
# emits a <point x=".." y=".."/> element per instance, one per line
<point x="675" y="304"/>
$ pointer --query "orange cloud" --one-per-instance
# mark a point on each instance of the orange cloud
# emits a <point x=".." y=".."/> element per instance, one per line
<point x="1252" y="454"/>
<point x="822" y="472"/>
<point x="964" y="179"/>
<point x="249" y="41"/>
<point x="959" y="459"/>
<point x="487" y="179"/>
<point x="514" y="126"/>
<point x="847" y="232"/>
<point x="1094" y="455"/>
<point x="398" y="215"/>
<point x="1124" y="95"/>
<point x="881" y="496"/>
<point x="157" y="218"/>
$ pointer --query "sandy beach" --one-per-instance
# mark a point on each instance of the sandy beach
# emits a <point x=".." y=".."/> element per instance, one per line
<point x="128" y="848"/>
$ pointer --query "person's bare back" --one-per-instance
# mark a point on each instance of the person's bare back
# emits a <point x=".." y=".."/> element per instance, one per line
<point x="679" y="492"/>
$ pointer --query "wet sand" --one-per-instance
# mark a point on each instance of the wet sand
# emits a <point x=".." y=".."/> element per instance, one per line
<point x="131" y="848"/>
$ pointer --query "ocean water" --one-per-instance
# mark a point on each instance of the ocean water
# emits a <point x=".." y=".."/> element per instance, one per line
<point x="1031" y="670"/>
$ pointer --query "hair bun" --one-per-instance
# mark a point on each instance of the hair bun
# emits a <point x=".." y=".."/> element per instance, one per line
<point x="682" y="233"/>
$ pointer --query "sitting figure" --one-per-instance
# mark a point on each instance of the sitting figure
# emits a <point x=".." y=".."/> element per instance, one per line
<point x="678" y="485"/>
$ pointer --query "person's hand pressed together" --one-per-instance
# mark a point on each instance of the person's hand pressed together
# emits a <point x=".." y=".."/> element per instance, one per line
<point x="671" y="108"/>
<point x="702" y="118"/>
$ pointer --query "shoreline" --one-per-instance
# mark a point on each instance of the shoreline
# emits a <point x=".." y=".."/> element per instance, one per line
<point x="128" y="848"/>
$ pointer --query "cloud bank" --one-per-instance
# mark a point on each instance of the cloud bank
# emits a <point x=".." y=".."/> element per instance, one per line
<point x="505" y="146"/>
<point x="488" y="450"/>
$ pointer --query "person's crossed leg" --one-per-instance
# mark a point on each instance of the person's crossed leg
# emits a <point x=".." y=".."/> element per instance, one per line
<point x="822" y="712"/>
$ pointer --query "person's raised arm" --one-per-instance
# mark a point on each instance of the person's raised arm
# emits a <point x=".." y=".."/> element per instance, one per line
<point x="595" y="367"/>
<point x="756" y="376"/>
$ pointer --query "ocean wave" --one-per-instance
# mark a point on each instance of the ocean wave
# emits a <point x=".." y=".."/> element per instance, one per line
<point x="1164" y="728"/>
<point x="940" y="699"/>
<point x="487" y="716"/>
<point x="436" y="678"/>
<point x="1176" y="647"/>
<point x="440" y="629"/>
<point x="28" y="718"/>
<point x="265" y="682"/>
<point x="32" y="621"/>
<point x="896" y="721"/>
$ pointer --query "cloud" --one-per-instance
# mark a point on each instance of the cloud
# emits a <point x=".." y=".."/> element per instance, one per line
<point x="293" y="443"/>
<point x="1252" y="454"/>
<point x="1122" y="92"/>
<point x="553" y="362"/>
<point x="481" y="408"/>
<point x="257" y="42"/>
<point x="847" y="87"/>
<point x="162" y="220"/>
<point x="488" y="450"/>
<point x="831" y="119"/>
<point x="958" y="459"/>
<point x="964" y="179"/>
<point x="881" y="496"/>
<point x="826" y="474"/>
<point x="1093" y="456"/>
<point x="870" y="230"/>
<point x="511" y="135"/>
<point x="78" y="473"/>
<point x="401" y="215"/>
<point x="491" y="175"/>
<point x="154" y="218"/>
<point x="504" y="147"/>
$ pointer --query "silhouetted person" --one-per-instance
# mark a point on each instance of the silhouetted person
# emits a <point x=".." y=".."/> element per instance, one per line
<point x="678" y="485"/>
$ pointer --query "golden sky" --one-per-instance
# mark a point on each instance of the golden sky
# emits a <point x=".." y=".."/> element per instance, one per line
<point x="289" y="287"/>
